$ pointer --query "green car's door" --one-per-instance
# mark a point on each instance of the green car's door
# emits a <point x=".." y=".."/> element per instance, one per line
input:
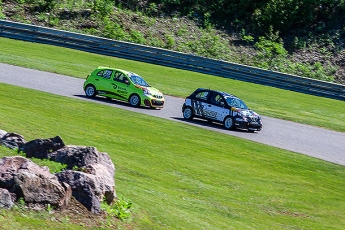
<point x="120" y="86"/>
<point x="103" y="79"/>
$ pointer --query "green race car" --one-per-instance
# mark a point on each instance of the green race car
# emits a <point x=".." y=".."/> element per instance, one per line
<point x="122" y="85"/>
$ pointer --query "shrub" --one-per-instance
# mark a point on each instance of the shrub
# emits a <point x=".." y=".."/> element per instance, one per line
<point x="119" y="209"/>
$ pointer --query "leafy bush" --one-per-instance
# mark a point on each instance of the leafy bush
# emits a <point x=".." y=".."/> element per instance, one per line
<point x="119" y="208"/>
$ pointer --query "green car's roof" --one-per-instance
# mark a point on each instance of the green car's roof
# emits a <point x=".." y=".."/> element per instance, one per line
<point x="124" y="71"/>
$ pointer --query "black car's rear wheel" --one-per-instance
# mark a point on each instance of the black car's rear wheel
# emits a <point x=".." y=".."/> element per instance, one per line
<point x="229" y="123"/>
<point x="90" y="91"/>
<point x="188" y="113"/>
<point x="134" y="100"/>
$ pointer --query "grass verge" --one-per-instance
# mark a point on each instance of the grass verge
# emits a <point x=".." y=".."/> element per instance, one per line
<point x="183" y="177"/>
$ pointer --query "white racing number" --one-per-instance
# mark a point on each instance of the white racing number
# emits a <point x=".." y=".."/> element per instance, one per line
<point x="210" y="114"/>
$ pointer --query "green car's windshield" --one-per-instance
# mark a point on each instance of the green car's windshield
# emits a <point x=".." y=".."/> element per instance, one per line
<point x="235" y="102"/>
<point x="136" y="79"/>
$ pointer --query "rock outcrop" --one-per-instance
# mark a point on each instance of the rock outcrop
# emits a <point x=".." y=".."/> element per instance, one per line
<point x="40" y="148"/>
<point x="89" y="174"/>
<point x="35" y="184"/>
<point x="11" y="140"/>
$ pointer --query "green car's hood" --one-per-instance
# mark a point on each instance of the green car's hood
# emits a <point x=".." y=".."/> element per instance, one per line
<point x="151" y="90"/>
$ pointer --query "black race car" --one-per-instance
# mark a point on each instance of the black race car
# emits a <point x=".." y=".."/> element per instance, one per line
<point x="225" y="108"/>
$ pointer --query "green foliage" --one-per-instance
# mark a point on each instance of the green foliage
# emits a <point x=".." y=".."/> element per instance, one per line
<point x="156" y="42"/>
<point x="114" y="31"/>
<point x="207" y="21"/>
<point x="269" y="53"/>
<point x="42" y="17"/>
<point x="247" y="38"/>
<point x="20" y="1"/>
<point x="152" y="9"/>
<point x="42" y="5"/>
<point x="103" y="7"/>
<point x="137" y="37"/>
<point x="299" y="43"/>
<point x="209" y="45"/>
<point x="53" y="21"/>
<point x="20" y="204"/>
<point x="170" y="42"/>
<point x="2" y="16"/>
<point x="119" y="208"/>
<point x="182" y="30"/>
<point x="309" y="22"/>
<point x="316" y="71"/>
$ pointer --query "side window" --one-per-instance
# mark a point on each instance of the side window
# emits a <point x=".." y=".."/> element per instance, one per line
<point x="217" y="99"/>
<point x="118" y="76"/>
<point x="203" y="95"/>
<point x="105" y="73"/>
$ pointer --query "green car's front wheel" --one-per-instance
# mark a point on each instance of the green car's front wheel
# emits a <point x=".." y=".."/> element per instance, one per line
<point x="90" y="91"/>
<point x="134" y="100"/>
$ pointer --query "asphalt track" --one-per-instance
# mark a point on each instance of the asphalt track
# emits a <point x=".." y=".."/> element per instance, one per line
<point x="312" y="141"/>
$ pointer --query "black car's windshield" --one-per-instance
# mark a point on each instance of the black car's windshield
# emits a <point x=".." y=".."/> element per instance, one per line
<point x="235" y="102"/>
<point x="136" y="79"/>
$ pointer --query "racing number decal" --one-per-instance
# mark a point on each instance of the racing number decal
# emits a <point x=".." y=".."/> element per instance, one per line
<point x="199" y="110"/>
<point x="209" y="113"/>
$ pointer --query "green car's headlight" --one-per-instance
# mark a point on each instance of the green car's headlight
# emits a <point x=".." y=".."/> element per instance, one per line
<point x="147" y="92"/>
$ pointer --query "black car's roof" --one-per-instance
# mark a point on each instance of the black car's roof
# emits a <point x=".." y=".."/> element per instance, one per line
<point x="216" y="91"/>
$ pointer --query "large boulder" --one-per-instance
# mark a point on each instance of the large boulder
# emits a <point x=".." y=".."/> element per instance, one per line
<point x="11" y="140"/>
<point x="80" y="156"/>
<point x="33" y="183"/>
<point x="105" y="180"/>
<point x="85" y="188"/>
<point x="90" y="161"/>
<point x="40" y="148"/>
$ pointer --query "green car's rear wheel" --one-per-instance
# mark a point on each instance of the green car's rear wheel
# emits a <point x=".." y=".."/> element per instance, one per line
<point x="90" y="91"/>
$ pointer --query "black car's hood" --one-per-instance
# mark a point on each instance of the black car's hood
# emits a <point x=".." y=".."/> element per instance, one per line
<point x="248" y="113"/>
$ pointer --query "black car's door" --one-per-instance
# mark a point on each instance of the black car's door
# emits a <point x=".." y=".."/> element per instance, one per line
<point x="215" y="108"/>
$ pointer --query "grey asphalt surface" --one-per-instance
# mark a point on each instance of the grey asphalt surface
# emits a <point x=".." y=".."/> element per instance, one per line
<point x="312" y="141"/>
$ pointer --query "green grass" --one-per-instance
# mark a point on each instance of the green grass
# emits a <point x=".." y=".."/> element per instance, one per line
<point x="183" y="177"/>
<point x="273" y="102"/>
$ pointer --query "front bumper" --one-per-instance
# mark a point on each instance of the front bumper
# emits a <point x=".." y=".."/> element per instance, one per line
<point x="253" y="126"/>
<point x="153" y="102"/>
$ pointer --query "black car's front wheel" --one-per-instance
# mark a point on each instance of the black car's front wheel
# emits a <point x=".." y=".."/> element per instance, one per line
<point x="134" y="100"/>
<point x="188" y="113"/>
<point x="229" y="123"/>
<point x="90" y="91"/>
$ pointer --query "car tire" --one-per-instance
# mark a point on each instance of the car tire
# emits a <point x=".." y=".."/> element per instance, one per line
<point x="134" y="100"/>
<point x="90" y="91"/>
<point x="229" y="123"/>
<point x="188" y="113"/>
